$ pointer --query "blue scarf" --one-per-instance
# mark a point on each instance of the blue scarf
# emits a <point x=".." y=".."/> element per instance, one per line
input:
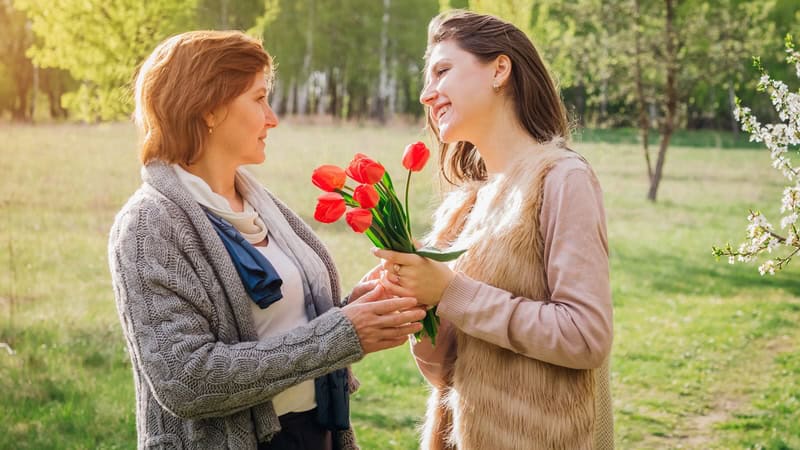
<point x="260" y="279"/>
<point x="263" y="285"/>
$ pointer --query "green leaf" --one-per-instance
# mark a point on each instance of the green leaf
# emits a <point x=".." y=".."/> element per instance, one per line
<point x="438" y="255"/>
<point x="387" y="181"/>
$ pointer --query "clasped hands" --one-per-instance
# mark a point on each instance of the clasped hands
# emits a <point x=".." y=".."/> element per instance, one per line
<point x="392" y="299"/>
<point x="410" y="275"/>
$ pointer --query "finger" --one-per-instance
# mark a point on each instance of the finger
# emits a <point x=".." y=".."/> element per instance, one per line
<point x="400" y="318"/>
<point x="391" y="343"/>
<point x="373" y="274"/>
<point x="367" y="286"/>
<point x="381" y="307"/>
<point x="379" y="292"/>
<point x="399" y="332"/>
<point x="397" y="257"/>
<point x="395" y="289"/>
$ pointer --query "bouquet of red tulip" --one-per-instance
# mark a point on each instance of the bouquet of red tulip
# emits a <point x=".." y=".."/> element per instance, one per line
<point x="375" y="209"/>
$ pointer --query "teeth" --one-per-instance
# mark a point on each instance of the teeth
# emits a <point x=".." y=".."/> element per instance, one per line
<point x="443" y="111"/>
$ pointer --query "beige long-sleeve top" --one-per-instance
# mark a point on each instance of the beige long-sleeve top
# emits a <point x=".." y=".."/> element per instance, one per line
<point x="574" y="327"/>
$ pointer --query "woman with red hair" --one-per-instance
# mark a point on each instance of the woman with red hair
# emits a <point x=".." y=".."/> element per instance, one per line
<point x="229" y="303"/>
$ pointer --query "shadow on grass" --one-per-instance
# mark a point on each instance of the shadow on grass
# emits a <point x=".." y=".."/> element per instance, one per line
<point x="385" y="421"/>
<point x="667" y="273"/>
<point x="681" y="138"/>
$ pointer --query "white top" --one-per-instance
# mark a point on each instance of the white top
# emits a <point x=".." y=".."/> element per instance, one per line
<point x="282" y="316"/>
<point x="285" y="314"/>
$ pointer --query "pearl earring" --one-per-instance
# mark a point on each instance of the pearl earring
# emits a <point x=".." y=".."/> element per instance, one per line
<point x="210" y="130"/>
<point x="496" y="86"/>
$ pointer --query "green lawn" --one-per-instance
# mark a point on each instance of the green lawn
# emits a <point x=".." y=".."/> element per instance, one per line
<point x="706" y="354"/>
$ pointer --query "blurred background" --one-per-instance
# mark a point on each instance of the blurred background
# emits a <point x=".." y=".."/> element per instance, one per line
<point x="706" y="355"/>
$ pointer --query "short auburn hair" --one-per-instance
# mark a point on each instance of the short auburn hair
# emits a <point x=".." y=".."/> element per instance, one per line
<point x="186" y="77"/>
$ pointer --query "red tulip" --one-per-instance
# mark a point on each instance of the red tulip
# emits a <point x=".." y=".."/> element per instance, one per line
<point x="364" y="169"/>
<point x="359" y="219"/>
<point x="328" y="177"/>
<point x="366" y="196"/>
<point x="415" y="156"/>
<point x="330" y="207"/>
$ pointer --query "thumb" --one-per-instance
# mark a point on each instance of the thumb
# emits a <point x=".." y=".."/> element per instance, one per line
<point x="377" y="293"/>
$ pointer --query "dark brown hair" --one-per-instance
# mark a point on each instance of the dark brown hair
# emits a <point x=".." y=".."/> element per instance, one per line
<point x="538" y="104"/>
<point x="186" y="77"/>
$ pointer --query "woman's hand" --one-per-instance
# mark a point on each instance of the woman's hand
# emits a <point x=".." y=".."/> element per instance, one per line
<point x="410" y="275"/>
<point x="382" y="322"/>
<point x="364" y="286"/>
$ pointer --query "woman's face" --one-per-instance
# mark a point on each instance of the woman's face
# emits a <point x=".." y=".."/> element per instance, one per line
<point x="458" y="92"/>
<point x="243" y="124"/>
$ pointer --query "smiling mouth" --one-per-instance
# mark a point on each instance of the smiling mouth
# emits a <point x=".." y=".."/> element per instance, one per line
<point x="442" y="111"/>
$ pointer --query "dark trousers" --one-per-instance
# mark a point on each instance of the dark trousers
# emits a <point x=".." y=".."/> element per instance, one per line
<point x="299" y="431"/>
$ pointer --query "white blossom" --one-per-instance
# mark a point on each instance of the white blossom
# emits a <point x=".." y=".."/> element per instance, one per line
<point x="778" y="138"/>
<point x="767" y="267"/>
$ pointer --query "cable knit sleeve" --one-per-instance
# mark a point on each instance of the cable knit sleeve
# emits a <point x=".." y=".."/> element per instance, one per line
<point x="574" y="327"/>
<point x="172" y="326"/>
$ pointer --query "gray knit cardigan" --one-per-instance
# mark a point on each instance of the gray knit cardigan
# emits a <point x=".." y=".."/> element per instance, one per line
<point x="203" y="379"/>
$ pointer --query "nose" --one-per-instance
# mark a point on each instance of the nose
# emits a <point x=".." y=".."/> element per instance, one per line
<point x="270" y="119"/>
<point x="428" y="95"/>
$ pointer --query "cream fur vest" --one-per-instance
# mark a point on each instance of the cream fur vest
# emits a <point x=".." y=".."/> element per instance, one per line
<point x="497" y="399"/>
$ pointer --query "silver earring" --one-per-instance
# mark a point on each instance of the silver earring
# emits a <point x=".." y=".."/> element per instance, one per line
<point x="210" y="130"/>
<point x="496" y="86"/>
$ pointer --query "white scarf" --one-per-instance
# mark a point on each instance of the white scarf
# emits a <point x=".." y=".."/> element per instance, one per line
<point x="248" y="223"/>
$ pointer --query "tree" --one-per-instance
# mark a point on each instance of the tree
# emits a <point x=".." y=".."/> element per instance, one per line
<point x="647" y="61"/>
<point x="517" y="12"/>
<point x="778" y="138"/>
<point x="15" y="39"/>
<point x="104" y="51"/>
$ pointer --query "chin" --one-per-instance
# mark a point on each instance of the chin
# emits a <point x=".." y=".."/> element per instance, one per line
<point x="448" y="136"/>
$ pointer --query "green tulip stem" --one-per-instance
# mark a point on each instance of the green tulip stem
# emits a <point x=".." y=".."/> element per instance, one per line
<point x="408" y="212"/>
<point x="394" y="204"/>
<point x="380" y="234"/>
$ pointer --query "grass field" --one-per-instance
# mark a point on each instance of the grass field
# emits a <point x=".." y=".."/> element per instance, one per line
<point x="706" y="355"/>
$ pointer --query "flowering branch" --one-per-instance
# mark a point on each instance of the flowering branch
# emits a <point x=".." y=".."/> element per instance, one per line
<point x="778" y="138"/>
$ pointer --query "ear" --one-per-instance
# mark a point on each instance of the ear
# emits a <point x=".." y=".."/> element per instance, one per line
<point x="210" y="119"/>
<point x="502" y="70"/>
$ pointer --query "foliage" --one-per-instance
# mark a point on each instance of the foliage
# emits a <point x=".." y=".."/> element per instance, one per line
<point x="762" y="237"/>
<point x="101" y="44"/>
<point x="329" y="52"/>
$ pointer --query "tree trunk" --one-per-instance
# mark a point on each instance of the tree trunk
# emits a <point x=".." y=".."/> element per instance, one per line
<point x="223" y="14"/>
<point x="383" y="79"/>
<point x="671" y="98"/>
<point x="34" y="93"/>
<point x="276" y="100"/>
<point x="302" y="94"/>
<point x="641" y="102"/>
<point x="333" y="106"/>
<point x="291" y="98"/>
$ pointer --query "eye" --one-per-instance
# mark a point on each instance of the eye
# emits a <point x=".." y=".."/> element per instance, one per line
<point x="442" y="71"/>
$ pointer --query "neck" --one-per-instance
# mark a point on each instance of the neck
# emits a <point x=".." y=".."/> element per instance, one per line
<point x="220" y="176"/>
<point x="502" y="139"/>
